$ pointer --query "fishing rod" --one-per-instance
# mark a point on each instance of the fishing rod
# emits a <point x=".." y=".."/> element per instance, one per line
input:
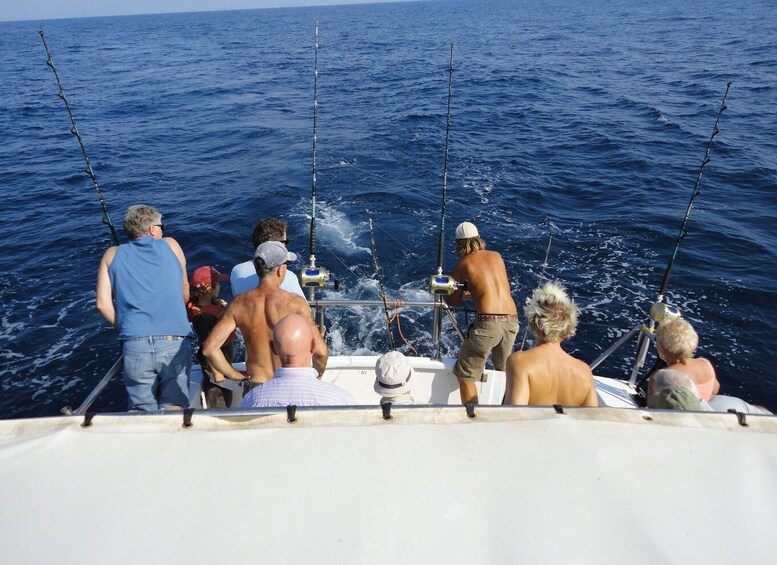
<point x="441" y="243"/>
<point x="379" y="273"/>
<point x="314" y="277"/>
<point x="74" y="130"/>
<point x="660" y="310"/>
<point x="439" y="284"/>
<point x="542" y="277"/>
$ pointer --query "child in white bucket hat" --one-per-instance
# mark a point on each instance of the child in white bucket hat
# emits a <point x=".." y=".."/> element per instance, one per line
<point x="393" y="374"/>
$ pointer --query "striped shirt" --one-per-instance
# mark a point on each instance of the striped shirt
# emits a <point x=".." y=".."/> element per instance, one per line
<point x="298" y="386"/>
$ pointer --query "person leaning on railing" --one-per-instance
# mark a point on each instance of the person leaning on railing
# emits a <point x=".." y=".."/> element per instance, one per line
<point x="142" y="289"/>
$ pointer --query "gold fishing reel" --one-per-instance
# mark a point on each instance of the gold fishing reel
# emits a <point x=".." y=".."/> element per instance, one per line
<point x="661" y="311"/>
<point x="442" y="285"/>
<point x="314" y="277"/>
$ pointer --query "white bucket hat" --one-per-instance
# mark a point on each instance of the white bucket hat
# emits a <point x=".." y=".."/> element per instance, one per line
<point x="392" y="374"/>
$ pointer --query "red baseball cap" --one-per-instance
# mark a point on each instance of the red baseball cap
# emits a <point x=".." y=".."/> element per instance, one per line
<point x="207" y="275"/>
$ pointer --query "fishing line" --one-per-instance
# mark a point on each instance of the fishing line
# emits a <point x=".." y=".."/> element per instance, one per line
<point x="382" y="289"/>
<point x="74" y="130"/>
<point x="542" y="277"/>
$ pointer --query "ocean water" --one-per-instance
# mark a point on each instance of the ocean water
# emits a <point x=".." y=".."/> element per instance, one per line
<point x="584" y="121"/>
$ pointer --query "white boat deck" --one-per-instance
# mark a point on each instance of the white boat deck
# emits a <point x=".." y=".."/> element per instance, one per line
<point x="432" y="383"/>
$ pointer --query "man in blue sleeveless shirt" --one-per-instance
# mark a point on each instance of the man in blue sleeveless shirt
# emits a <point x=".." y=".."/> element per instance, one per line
<point x="142" y="290"/>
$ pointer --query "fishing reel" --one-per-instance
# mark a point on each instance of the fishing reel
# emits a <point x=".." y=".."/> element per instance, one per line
<point x="314" y="277"/>
<point x="443" y="285"/>
<point x="661" y="311"/>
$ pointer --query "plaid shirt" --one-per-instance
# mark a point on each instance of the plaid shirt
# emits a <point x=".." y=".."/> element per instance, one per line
<point x="298" y="386"/>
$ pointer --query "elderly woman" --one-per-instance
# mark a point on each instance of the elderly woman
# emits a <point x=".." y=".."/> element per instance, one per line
<point x="676" y="342"/>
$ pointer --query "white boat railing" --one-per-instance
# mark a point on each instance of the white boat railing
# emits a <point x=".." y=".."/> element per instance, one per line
<point x="86" y="404"/>
<point x="319" y="306"/>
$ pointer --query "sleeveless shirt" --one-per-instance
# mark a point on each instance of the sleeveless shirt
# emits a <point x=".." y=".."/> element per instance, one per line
<point x="148" y="289"/>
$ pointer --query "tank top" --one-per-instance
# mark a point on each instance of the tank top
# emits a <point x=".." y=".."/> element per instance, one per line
<point x="148" y="289"/>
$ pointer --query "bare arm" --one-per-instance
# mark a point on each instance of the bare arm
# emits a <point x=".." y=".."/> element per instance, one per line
<point x="104" y="290"/>
<point x="212" y="347"/>
<point x="458" y="294"/>
<point x="592" y="399"/>
<point x="182" y="260"/>
<point x="321" y="352"/>
<point x="517" y="382"/>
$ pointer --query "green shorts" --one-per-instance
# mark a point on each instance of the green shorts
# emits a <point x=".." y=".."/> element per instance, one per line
<point x="483" y="338"/>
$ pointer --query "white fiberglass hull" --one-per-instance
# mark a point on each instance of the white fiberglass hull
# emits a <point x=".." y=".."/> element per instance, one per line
<point x="431" y="485"/>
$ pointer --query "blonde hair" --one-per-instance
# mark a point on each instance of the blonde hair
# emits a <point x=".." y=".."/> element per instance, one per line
<point x="469" y="245"/>
<point x="551" y="315"/>
<point x="677" y="339"/>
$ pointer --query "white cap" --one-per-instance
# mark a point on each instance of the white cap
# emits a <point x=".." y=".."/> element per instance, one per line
<point x="392" y="374"/>
<point x="465" y="230"/>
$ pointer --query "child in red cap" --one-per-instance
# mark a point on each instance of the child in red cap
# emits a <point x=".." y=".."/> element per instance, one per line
<point x="204" y="310"/>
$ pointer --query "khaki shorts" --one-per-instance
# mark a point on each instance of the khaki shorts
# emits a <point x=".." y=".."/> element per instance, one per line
<point x="483" y="338"/>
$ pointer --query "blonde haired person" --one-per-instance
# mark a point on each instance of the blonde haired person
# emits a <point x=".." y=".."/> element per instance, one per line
<point x="546" y="374"/>
<point x="676" y="342"/>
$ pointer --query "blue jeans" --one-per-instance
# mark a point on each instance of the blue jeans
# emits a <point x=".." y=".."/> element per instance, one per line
<point x="156" y="371"/>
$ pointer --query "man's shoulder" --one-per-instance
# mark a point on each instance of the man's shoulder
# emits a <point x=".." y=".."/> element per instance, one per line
<point x="244" y="269"/>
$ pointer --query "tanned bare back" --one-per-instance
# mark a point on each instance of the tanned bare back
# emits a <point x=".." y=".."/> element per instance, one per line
<point x="547" y="375"/>
<point x="255" y="313"/>
<point x="487" y="283"/>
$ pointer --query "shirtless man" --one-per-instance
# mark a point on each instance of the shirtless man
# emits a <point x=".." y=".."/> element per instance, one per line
<point x="496" y="323"/>
<point x="546" y="374"/>
<point x="256" y="312"/>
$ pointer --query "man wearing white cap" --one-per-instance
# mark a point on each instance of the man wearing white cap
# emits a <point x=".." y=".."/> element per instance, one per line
<point x="393" y="374"/>
<point x="496" y="323"/>
<point x="256" y="312"/>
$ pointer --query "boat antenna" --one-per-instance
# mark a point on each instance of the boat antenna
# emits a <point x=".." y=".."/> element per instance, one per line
<point x="314" y="277"/>
<point x="379" y="273"/>
<point x="74" y="130"/>
<point x="542" y="278"/>
<point x="659" y="310"/>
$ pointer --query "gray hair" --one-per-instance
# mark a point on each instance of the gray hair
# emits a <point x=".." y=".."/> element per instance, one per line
<point x="671" y="377"/>
<point x="551" y="315"/>
<point x="139" y="218"/>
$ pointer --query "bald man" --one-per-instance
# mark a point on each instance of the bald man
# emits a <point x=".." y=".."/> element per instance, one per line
<point x="296" y="381"/>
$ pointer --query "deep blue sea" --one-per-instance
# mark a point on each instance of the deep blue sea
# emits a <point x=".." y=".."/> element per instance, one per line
<point x="586" y="121"/>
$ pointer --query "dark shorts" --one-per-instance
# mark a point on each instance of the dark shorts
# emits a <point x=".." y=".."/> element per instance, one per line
<point x="496" y="338"/>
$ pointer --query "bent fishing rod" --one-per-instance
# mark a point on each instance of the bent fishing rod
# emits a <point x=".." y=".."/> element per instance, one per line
<point x="314" y="277"/>
<point x="74" y="130"/>
<point x="660" y="310"/>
